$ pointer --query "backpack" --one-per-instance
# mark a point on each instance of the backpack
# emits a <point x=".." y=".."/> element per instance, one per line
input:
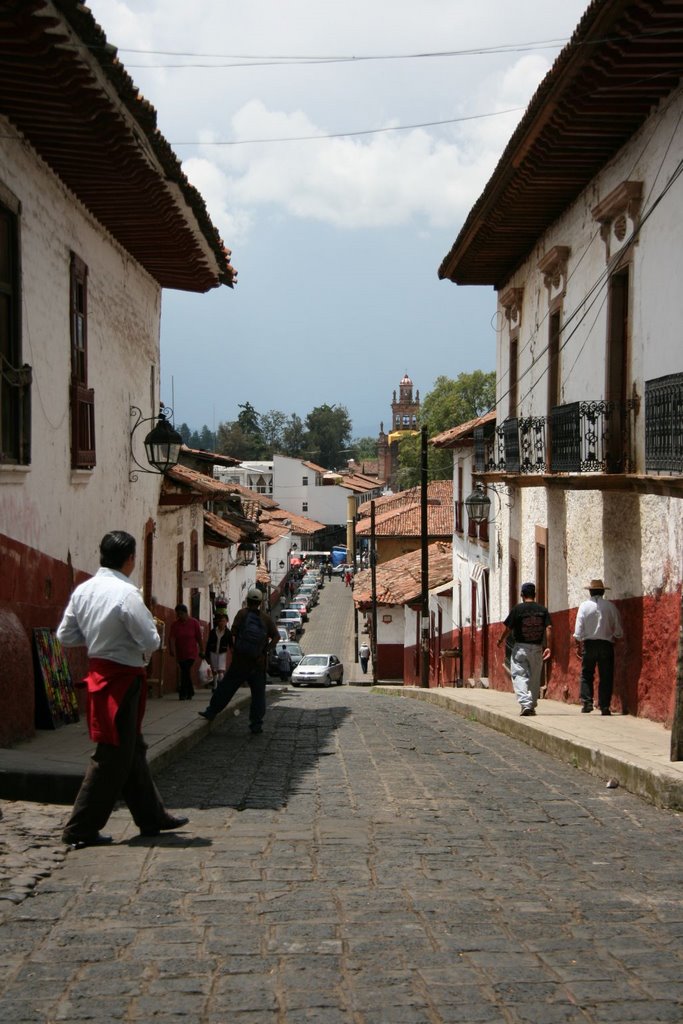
<point x="252" y="636"/>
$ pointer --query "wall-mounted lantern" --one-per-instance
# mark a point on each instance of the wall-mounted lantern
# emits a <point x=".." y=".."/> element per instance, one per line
<point x="162" y="443"/>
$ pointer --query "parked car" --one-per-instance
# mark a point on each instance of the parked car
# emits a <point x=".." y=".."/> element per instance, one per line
<point x="324" y="669"/>
<point x="291" y="620"/>
<point x="284" y="633"/>
<point x="306" y="596"/>
<point x="301" y="605"/>
<point x="295" y="653"/>
<point x="309" y="589"/>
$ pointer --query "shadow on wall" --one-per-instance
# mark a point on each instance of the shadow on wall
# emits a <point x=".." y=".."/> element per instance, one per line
<point x="622" y="560"/>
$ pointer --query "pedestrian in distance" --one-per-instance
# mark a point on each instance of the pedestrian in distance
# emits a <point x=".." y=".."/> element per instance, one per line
<point x="184" y="644"/>
<point x="598" y="626"/>
<point x="531" y="629"/>
<point x="107" y="615"/>
<point x="254" y="634"/>
<point x="329" y="571"/>
<point x="364" y="656"/>
<point x="217" y="647"/>
<point x="284" y="662"/>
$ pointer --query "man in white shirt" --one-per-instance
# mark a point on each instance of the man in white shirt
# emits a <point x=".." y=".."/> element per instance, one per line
<point x="107" y="615"/>
<point x="597" y="627"/>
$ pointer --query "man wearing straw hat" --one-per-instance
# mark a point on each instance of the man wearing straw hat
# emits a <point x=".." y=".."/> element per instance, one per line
<point x="597" y="627"/>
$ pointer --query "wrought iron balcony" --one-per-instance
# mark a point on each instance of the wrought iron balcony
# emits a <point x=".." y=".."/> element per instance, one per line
<point x="581" y="437"/>
<point x="664" y="424"/>
<point x="590" y="437"/>
<point x="521" y="445"/>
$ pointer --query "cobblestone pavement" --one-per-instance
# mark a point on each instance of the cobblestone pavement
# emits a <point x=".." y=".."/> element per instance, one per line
<point x="365" y="860"/>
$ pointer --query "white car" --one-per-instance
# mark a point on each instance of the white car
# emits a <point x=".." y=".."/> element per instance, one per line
<point x="291" y="620"/>
<point x="324" y="669"/>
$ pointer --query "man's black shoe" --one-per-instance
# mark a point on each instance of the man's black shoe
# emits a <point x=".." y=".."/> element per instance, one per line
<point x="256" y="729"/>
<point x="605" y="711"/>
<point x="169" y="824"/>
<point x="206" y="715"/>
<point x="586" y="709"/>
<point x="97" y="840"/>
<point x="525" y="712"/>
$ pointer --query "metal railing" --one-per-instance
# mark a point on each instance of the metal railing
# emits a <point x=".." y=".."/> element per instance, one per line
<point x="15" y="413"/>
<point x="664" y="424"/>
<point x="581" y="437"/>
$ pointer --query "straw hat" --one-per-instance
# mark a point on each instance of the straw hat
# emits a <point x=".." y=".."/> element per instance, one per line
<point x="596" y="585"/>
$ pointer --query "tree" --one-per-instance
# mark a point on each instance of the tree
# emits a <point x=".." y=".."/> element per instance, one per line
<point x="364" y="448"/>
<point x="273" y="425"/>
<point x="294" y="437"/>
<point x="231" y="439"/>
<point x="249" y="419"/>
<point x="449" y="403"/>
<point x="329" y="433"/>
<point x="207" y="439"/>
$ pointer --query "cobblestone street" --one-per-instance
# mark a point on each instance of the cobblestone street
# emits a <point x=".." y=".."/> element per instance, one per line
<point x="366" y="860"/>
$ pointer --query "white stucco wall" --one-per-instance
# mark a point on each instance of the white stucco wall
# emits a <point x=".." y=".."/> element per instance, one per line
<point x="48" y="506"/>
<point x="326" y="504"/>
<point x="634" y="542"/>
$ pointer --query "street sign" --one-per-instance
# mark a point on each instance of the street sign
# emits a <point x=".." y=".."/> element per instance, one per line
<point x="194" y="578"/>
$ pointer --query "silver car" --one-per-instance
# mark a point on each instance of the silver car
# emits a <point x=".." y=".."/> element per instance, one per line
<point x="323" y="669"/>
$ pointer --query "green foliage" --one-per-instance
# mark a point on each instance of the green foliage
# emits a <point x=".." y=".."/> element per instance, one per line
<point x="364" y="448"/>
<point x="329" y="433"/>
<point x="294" y="439"/>
<point x="449" y="403"/>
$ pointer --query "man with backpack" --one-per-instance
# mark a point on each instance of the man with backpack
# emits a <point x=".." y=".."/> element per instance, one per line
<point x="254" y="635"/>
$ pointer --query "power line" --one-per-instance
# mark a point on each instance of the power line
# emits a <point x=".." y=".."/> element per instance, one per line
<point x="346" y="135"/>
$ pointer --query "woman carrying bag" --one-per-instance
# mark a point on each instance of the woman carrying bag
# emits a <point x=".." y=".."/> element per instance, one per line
<point x="216" y="653"/>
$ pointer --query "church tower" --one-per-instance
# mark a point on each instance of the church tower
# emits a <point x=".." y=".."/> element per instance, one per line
<point x="405" y="415"/>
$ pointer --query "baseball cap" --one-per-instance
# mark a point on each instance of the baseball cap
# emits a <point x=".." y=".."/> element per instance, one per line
<point x="528" y="590"/>
<point x="254" y="595"/>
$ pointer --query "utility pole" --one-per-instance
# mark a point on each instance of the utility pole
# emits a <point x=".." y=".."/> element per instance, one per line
<point x="373" y="578"/>
<point x="424" y="548"/>
<point x="677" y="724"/>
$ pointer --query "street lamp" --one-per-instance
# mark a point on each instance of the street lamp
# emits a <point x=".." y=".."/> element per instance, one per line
<point x="478" y="504"/>
<point x="162" y="443"/>
<point x="247" y="553"/>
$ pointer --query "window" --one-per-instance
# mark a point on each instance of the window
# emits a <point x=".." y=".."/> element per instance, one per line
<point x="512" y="385"/>
<point x="82" y="397"/>
<point x="304" y="506"/>
<point x="406" y="421"/>
<point x="459" y="499"/>
<point x="15" y="379"/>
<point x="304" y="481"/>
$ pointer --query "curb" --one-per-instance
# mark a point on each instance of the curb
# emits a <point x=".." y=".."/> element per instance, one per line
<point x="641" y="781"/>
<point x="62" y="785"/>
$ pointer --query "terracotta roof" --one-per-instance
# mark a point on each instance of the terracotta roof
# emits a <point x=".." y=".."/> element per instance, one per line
<point x="272" y="531"/>
<point x="201" y="483"/>
<point x="358" y="483"/>
<point x="407" y="522"/>
<point x="463" y="431"/>
<point x="224" y="529"/>
<point x="437" y="490"/>
<point x="262" y="574"/>
<point x="400" y="581"/>
<point x="300" y="525"/>
<point x="314" y="467"/>
<point x="63" y="88"/>
<point x="205" y="456"/>
<point x="624" y="57"/>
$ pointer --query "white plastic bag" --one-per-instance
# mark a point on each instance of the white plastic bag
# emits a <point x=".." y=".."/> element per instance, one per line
<point x="205" y="673"/>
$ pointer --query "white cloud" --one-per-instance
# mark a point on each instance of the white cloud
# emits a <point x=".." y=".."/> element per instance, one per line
<point x="373" y="181"/>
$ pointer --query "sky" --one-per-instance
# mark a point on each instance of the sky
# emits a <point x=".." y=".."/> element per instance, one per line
<point x="393" y="115"/>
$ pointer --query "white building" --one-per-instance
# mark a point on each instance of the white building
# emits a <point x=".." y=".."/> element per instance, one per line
<point x="580" y="232"/>
<point x="304" y="488"/>
<point x="256" y="476"/>
<point x="97" y="218"/>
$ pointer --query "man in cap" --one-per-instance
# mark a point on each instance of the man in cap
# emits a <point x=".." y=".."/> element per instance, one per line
<point x="597" y="627"/>
<point x="254" y="635"/>
<point x="531" y="629"/>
